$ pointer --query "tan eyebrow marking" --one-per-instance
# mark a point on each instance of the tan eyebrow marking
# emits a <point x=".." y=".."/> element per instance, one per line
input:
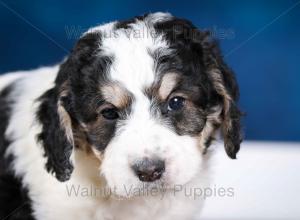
<point x="168" y="83"/>
<point x="115" y="94"/>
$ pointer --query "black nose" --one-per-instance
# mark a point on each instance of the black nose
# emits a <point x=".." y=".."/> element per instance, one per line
<point x="148" y="170"/>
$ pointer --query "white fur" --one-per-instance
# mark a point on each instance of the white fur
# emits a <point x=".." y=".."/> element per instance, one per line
<point x="141" y="135"/>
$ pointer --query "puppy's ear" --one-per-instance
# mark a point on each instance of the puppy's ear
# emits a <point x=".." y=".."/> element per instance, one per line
<point x="225" y="84"/>
<point x="56" y="135"/>
<point x="55" y="111"/>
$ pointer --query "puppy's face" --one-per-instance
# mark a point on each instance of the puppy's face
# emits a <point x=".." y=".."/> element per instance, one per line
<point x="145" y="96"/>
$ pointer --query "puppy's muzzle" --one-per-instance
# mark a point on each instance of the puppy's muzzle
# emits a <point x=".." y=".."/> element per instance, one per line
<point x="149" y="170"/>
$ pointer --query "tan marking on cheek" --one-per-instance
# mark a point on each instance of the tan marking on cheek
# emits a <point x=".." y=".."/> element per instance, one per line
<point x="80" y="137"/>
<point x="116" y="95"/>
<point x="168" y="83"/>
<point x="81" y="140"/>
<point x="97" y="153"/>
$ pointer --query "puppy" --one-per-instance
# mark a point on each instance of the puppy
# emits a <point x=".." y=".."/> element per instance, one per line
<point x="120" y="129"/>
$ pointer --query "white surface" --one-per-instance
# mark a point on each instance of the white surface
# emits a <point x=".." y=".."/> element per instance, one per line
<point x="265" y="179"/>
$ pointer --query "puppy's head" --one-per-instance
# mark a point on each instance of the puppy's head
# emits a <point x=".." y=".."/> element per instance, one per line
<point x="146" y="97"/>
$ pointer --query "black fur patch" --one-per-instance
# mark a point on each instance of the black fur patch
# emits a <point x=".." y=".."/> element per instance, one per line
<point x="195" y="55"/>
<point x="14" y="201"/>
<point x="57" y="147"/>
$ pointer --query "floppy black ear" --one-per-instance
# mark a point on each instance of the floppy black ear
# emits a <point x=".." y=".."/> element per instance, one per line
<point x="56" y="135"/>
<point x="225" y="84"/>
<point x="55" y="112"/>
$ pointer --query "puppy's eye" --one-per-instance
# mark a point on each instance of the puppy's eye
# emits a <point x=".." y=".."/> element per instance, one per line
<point x="110" y="113"/>
<point x="176" y="103"/>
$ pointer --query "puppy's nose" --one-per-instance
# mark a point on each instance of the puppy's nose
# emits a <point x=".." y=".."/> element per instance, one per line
<point x="149" y="170"/>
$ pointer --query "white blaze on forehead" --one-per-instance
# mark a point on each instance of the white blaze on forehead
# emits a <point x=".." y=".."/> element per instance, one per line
<point x="133" y="66"/>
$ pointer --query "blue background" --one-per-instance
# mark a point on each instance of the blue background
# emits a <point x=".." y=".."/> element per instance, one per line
<point x="259" y="39"/>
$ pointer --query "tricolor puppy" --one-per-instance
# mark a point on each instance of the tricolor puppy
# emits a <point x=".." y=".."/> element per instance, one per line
<point x="115" y="130"/>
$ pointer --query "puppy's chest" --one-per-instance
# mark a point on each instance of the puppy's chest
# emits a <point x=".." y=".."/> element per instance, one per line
<point x="130" y="210"/>
<point x="134" y="209"/>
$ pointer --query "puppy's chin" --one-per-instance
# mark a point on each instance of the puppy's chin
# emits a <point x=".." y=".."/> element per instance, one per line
<point x="139" y="190"/>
